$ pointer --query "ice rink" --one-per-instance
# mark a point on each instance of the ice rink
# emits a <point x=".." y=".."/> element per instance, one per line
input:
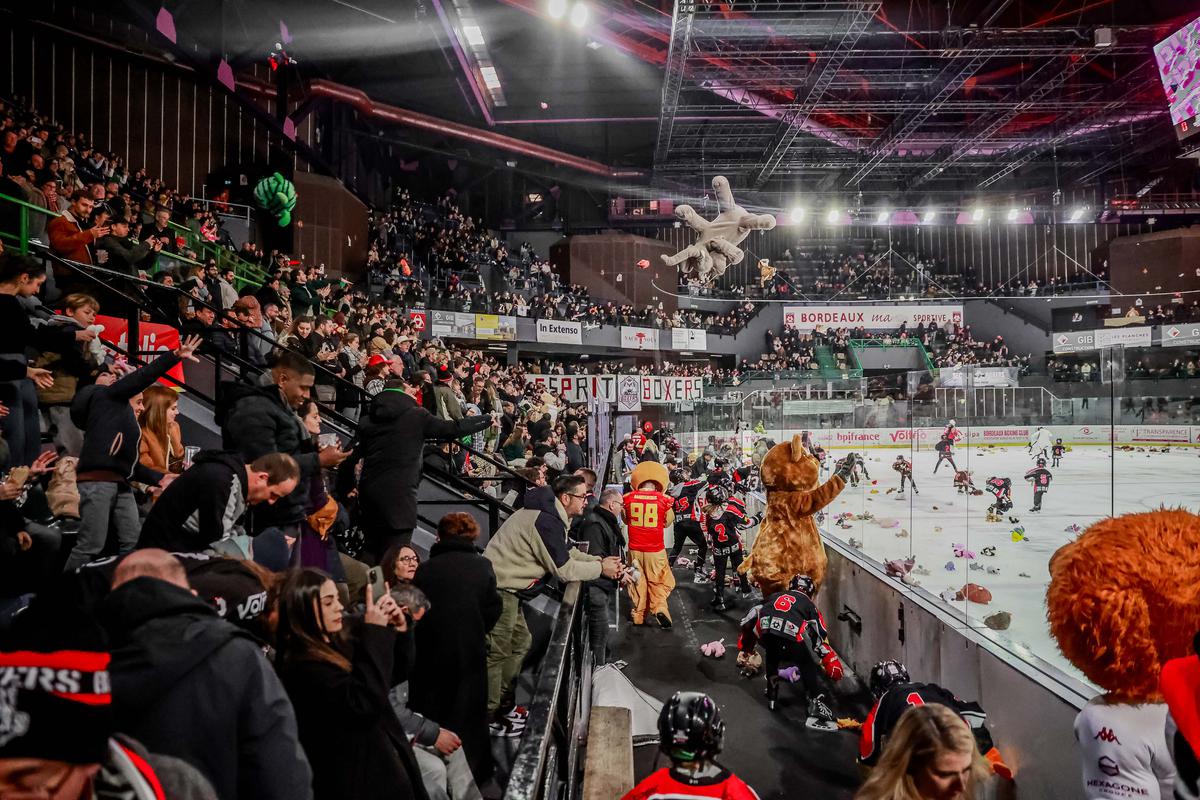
<point x="1092" y="482"/>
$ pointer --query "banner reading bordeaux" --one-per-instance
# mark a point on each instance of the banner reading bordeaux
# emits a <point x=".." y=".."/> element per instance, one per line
<point x="655" y="390"/>
<point x="806" y="318"/>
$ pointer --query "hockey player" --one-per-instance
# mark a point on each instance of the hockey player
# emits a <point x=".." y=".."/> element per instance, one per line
<point x="858" y="468"/>
<point x="647" y="514"/>
<point x="690" y="733"/>
<point x="688" y="499"/>
<point x="1039" y="477"/>
<point x="894" y="692"/>
<point x="951" y="432"/>
<point x="962" y="482"/>
<point x="746" y="477"/>
<point x="793" y="631"/>
<point x="724" y="517"/>
<point x="1056" y="452"/>
<point x="945" y="448"/>
<point x="904" y="467"/>
<point x="1039" y="446"/>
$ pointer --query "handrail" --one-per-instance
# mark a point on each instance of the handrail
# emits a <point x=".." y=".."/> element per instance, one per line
<point x="30" y="206"/>
<point x="539" y="766"/>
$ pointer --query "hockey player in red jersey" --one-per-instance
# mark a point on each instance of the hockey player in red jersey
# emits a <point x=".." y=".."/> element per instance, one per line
<point x="724" y="516"/>
<point x="904" y="467"/>
<point x="792" y="631"/>
<point x="690" y="733"/>
<point x="1039" y="477"/>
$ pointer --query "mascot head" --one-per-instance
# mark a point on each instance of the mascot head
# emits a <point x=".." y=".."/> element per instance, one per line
<point x="1125" y="597"/>
<point x="649" y="471"/>
<point x="789" y="466"/>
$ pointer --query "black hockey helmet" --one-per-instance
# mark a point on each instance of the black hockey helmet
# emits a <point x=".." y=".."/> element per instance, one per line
<point x="887" y="674"/>
<point x="718" y="494"/>
<point x="1041" y="462"/>
<point x="802" y="583"/>
<point x="677" y="475"/>
<point x="690" y="727"/>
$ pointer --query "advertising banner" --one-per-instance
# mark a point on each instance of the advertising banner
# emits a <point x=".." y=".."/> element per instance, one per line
<point x="629" y="394"/>
<point x="650" y="389"/>
<point x="155" y="337"/>
<point x="807" y="318"/>
<point x="1186" y="335"/>
<point x="495" y="327"/>
<point x="1074" y="341"/>
<point x="419" y="318"/>
<point x="639" y="338"/>
<point x="689" y="339"/>
<point x="1141" y="336"/>
<point x="453" y="324"/>
<point x="978" y="376"/>
<point x="553" y="331"/>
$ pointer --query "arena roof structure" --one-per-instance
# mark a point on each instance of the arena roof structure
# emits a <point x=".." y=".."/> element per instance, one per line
<point x="909" y="100"/>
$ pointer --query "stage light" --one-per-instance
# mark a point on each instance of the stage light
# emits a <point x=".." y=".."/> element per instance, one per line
<point x="929" y="217"/>
<point x="579" y="16"/>
<point x="1077" y="214"/>
<point x="557" y="8"/>
<point x="977" y="214"/>
<point x="833" y="216"/>
<point x="883" y="217"/>
<point x="796" y="215"/>
<point x="1012" y="215"/>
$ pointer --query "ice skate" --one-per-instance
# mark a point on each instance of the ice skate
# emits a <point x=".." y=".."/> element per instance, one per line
<point x="820" y="715"/>
<point x="699" y="577"/>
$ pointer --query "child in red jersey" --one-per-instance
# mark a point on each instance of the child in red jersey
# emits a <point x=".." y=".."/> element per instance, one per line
<point x="690" y="732"/>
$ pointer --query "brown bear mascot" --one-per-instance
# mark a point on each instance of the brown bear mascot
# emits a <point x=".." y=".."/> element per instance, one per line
<point x="788" y="543"/>
<point x="1124" y="598"/>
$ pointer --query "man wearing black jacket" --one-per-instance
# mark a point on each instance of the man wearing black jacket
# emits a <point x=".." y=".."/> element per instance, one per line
<point x="206" y="503"/>
<point x="188" y="684"/>
<point x="257" y="420"/>
<point x="107" y="412"/>
<point x="391" y="439"/>
<point x="601" y="530"/>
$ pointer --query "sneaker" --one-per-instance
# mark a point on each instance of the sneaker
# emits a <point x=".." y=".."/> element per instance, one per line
<point x="699" y="577"/>
<point x="518" y="714"/>
<point x="507" y="729"/>
<point x="819" y="710"/>
<point x="718" y="604"/>
<point x="664" y="621"/>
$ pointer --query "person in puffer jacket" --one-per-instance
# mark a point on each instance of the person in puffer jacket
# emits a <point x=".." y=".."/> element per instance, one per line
<point x="107" y="412"/>
<point x="530" y="547"/>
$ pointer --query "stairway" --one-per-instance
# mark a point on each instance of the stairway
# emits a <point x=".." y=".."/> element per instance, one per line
<point x="827" y="362"/>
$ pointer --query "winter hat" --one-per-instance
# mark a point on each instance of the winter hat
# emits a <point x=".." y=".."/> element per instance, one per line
<point x="55" y="693"/>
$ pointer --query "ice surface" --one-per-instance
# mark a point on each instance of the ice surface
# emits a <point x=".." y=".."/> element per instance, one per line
<point x="1091" y="483"/>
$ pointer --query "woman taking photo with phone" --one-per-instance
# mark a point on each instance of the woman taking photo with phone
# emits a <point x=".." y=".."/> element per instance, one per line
<point x="338" y="681"/>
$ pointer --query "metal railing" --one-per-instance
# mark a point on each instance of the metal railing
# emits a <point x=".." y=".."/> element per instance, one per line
<point x="547" y="764"/>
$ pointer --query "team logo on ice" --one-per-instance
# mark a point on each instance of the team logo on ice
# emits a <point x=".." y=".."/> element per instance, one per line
<point x="1106" y="735"/>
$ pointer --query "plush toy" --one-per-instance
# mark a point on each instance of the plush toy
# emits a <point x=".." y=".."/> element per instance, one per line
<point x="276" y="195"/>
<point x="788" y="543"/>
<point x="1124" y="598"/>
<point x="716" y="247"/>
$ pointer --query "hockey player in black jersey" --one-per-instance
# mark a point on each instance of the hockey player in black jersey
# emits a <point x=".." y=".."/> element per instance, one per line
<point x="724" y="517"/>
<point x="1056" y="452"/>
<point x="895" y="693"/>
<point x="1039" y="477"/>
<point x="945" y="451"/>
<point x="792" y="631"/>
<point x="904" y="467"/>
<point x="688" y="497"/>
<point x="1001" y="489"/>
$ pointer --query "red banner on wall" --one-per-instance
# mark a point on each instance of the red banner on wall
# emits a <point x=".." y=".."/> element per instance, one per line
<point x="155" y="337"/>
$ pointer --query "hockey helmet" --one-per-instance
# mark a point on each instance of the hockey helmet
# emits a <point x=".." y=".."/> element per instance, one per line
<point x="952" y="423"/>
<point x="1041" y="462"/>
<point x="677" y="475"/>
<point x="717" y="494"/>
<point x="690" y="727"/>
<point x="887" y="674"/>
<point x="803" y="583"/>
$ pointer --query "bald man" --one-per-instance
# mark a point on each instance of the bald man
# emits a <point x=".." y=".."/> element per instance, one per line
<point x="188" y="684"/>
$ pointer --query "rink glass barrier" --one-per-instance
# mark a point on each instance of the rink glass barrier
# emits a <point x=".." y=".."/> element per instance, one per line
<point x="1124" y="451"/>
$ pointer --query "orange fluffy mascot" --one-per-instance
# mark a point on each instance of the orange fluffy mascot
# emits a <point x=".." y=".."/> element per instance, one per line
<point x="1124" y="598"/>
<point x="788" y="543"/>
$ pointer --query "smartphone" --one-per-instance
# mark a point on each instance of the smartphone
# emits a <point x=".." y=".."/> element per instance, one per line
<point x="327" y="440"/>
<point x="375" y="580"/>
